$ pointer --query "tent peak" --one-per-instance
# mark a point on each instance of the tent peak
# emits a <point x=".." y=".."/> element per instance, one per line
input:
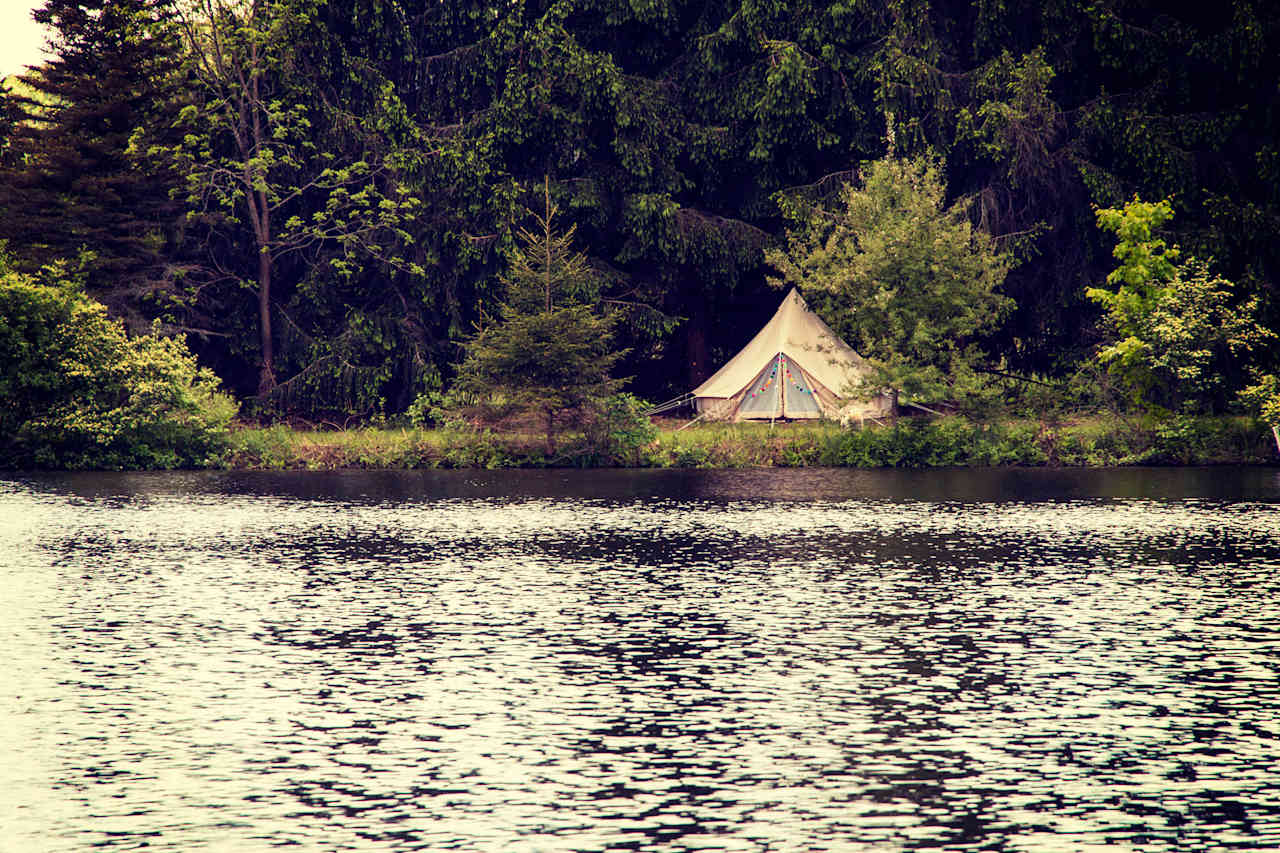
<point x="795" y="337"/>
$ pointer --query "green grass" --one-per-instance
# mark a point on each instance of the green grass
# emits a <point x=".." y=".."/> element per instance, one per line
<point x="743" y="445"/>
<point x="280" y="447"/>
<point x="916" y="443"/>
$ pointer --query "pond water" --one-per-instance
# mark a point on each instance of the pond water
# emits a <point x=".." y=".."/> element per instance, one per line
<point x="645" y="660"/>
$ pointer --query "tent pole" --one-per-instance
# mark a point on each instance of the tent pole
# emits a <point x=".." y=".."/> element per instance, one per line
<point x="782" y="389"/>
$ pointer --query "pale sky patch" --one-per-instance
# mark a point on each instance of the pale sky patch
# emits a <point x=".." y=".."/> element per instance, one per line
<point x="21" y="39"/>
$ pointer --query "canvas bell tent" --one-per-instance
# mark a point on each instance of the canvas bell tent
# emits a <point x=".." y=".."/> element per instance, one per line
<point x="795" y="367"/>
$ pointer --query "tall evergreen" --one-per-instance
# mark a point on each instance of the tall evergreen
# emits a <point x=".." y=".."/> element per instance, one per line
<point x="69" y="183"/>
<point x="550" y="351"/>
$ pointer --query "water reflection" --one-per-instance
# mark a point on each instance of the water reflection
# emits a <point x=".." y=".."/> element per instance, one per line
<point x="415" y="662"/>
<point x="773" y="484"/>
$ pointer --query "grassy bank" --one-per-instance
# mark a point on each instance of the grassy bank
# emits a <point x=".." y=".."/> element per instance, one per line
<point x="911" y="443"/>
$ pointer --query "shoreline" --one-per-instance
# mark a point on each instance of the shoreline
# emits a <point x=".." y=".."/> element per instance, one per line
<point x="1094" y="442"/>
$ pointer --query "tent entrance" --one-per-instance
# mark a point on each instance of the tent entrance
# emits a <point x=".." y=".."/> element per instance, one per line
<point x="798" y="400"/>
<point x="780" y="390"/>
<point x="761" y="399"/>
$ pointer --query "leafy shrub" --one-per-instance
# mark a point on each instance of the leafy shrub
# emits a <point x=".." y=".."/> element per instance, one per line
<point x="1180" y="439"/>
<point x="901" y="445"/>
<point x="263" y="448"/>
<point x="932" y="444"/>
<point x="433" y="408"/>
<point x="619" y="432"/>
<point x="474" y="449"/>
<point x="1007" y="443"/>
<point x="81" y="393"/>
<point x="799" y="454"/>
<point x="1184" y="440"/>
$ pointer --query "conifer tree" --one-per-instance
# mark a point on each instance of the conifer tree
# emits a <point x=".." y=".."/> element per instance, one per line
<point x="549" y="352"/>
<point x="69" y="184"/>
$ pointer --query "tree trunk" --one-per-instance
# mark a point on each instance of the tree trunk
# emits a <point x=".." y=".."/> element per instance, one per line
<point x="253" y="140"/>
<point x="697" y="353"/>
<point x="1275" y="430"/>
<point x="267" y="372"/>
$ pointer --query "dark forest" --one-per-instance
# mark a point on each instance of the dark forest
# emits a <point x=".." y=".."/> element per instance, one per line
<point x="321" y="198"/>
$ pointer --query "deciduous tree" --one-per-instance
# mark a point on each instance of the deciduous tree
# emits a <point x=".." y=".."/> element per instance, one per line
<point x="902" y="276"/>
<point x="252" y="158"/>
<point x="1174" y="326"/>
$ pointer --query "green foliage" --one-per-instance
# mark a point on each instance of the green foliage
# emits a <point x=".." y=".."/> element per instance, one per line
<point x="427" y="409"/>
<point x="1017" y="120"/>
<point x="1264" y="396"/>
<point x="619" y="433"/>
<point x="906" y="280"/>
<point x="915" y="443"/>
<point x="1175" y="326"/>
<point x="743" y="445"/>
<point x="1145" y="259"/>
<point x="550" y="352"/>
<point x="68" y="183"/>
<point x="246" y="144"/>
<point x="278" y="447"/>
<point x="389" y="141"/>
<point x="449" y="409"/>
<point x="270" y="448"/>
<point x="81" y="393"/>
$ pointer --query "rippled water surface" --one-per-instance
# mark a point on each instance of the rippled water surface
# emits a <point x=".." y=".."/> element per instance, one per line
<point x="756" y="661"/>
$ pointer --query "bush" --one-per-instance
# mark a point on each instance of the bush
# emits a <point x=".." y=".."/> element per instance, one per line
<point x="266" y="448"/>
<point x="81" y="393"/>
<point x="434" y="408"/>
<point x="619" y="432"/>
<point x="945" y="442"/>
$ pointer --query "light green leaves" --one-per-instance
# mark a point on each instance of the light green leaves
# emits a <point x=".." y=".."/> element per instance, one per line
<point x="906" y="280"/>
<point x="81" y="393"/>
<point x="1174" y="324"/>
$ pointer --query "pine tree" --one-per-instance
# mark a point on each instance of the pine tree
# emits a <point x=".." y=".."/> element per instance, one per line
<point x="550" y="352"/>
<point x="10" y="119"/>
<point x="69" y="184"/>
